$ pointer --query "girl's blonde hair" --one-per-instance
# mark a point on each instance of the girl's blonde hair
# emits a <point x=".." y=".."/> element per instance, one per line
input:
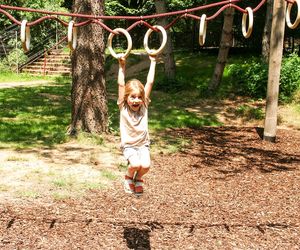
<point x="134" y="85"/>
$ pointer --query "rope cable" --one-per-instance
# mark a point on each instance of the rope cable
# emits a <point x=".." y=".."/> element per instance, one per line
<point x="140" y="20"/>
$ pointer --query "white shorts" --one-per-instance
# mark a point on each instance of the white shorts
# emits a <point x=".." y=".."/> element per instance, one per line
<point x="138" y="156"/>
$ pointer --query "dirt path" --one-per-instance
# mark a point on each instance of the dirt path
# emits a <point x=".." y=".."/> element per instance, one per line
<point x="226" y="190"/>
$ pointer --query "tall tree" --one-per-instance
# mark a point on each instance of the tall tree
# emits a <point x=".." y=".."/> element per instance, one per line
<point x="89" y="98"/>
<point x="168" y="56"/>
<point x="267" y="31"/>
<point x="225" y="44"/>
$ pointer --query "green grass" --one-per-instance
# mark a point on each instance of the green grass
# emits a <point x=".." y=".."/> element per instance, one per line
<point x="22" y="77"/>
<point x="30" y="116"/>
<point x="249" y="113"/>
<point x="28" y="194"/>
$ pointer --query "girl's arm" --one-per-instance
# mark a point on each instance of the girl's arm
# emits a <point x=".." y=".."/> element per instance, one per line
<point x="121" y="79"/>
<point x="150" y="77"/>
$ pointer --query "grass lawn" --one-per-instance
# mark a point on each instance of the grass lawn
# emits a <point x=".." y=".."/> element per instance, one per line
<point x="22" y="77"/>
<point x="39" y="116"/>
<point x="31" y="116"/>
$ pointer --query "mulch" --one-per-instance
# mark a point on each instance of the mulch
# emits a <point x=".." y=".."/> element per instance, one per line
<point x="227" y="189"/>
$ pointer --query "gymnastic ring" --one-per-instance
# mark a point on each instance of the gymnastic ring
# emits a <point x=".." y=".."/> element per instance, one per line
<point x="202" y="30"/>
<point x="72" y="35"/>
<point x="25" y="35"/>
<point x="247" y="32"/>
<point x="153" y="52"/>
<point x="288" y="15"/>
<point x="129" y="43"/>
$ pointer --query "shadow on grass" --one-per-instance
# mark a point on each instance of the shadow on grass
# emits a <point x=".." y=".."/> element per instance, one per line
<point x="32" y="116"/>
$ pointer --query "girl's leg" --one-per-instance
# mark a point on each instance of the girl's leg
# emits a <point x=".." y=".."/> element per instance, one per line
<point x="144" y="154"/>
<point x="145" y="166"/>
<point x="142" y="171"/>
<point x="131" y="155"/>
<point x="133" y="159"/>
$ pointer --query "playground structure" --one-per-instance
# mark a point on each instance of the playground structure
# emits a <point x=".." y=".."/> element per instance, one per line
<point x="225" y="190"/>
<point x="72" y="26"/>
<point x="140" y="20"/>
<point x="281" y="15"/>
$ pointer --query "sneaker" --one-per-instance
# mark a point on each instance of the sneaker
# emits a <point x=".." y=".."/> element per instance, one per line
<point x="139" y="187"/>
<point x="129" y="186"/>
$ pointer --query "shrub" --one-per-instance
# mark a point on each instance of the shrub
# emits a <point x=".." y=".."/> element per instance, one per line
<point x="289" y="77"/>
<point x="16" y="57"/>
<point x="4" y="66"/>
<point x="251" y="78"/>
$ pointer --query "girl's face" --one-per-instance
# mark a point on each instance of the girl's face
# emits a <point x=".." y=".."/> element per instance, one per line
<point x="135" y="100"/>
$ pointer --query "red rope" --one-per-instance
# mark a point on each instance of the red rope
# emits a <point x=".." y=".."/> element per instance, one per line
<point x="119" y="17"/>
<point x="10" y="17"/>
<point x="140" y="19"/>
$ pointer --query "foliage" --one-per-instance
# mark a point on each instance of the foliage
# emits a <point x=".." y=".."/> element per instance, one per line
<point x="249" y="112"/>
<point x="289" y="77"/>
<point x="4" y="66"/>
<point x="251" y="77"/>
<point x="130" y="8"/>
<point x="16" y="57"/>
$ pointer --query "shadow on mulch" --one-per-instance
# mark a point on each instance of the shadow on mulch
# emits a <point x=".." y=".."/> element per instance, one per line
<point x="232" y="150"/>
<point x="226" y="189"/>
<point x="137" y="238"/>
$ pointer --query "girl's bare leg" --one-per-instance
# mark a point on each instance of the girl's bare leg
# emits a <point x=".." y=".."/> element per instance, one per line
<point x="141" y="172"/>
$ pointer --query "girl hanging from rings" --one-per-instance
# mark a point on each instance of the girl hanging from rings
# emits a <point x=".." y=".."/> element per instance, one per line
<point x="133" y="102"/>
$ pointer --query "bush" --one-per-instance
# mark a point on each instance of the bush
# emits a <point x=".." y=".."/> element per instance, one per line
<point x="15" y="58"/>
<point x="290" y="77"/>
<point x="251" y="78"/>
<point x="4" y="67"/>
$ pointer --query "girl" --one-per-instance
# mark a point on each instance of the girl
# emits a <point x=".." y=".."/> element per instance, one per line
<point x="133" y="101"/>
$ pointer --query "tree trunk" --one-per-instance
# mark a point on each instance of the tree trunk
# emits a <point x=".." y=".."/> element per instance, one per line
<point x="267" y="31"/>
<point x="225" y="44"/>
<point x="168" y="56"/>
<point x="89" y="99"/>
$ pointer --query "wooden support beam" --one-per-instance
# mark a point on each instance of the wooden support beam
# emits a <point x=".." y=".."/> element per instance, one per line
<point x="276" y="50"/>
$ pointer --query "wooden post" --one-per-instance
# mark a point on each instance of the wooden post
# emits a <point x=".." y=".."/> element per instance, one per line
<point x="275" y="58"/>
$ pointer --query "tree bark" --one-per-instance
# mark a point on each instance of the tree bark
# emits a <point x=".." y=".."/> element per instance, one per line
<point x="225" y="44"/>
<point x="267" y="31"/>
<point x="89" y="98"/>
<point x="168" y="56"/>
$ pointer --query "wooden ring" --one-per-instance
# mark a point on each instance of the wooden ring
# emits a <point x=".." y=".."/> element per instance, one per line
<point x="153" y="52"/>
<point x="129" y="43"/>
<point x="72" y="35"/>
<point x="25" y="35"/>
<point x="247" y="32"/>
<point x="288" y="15"/>
<point x="202" y="29"/>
